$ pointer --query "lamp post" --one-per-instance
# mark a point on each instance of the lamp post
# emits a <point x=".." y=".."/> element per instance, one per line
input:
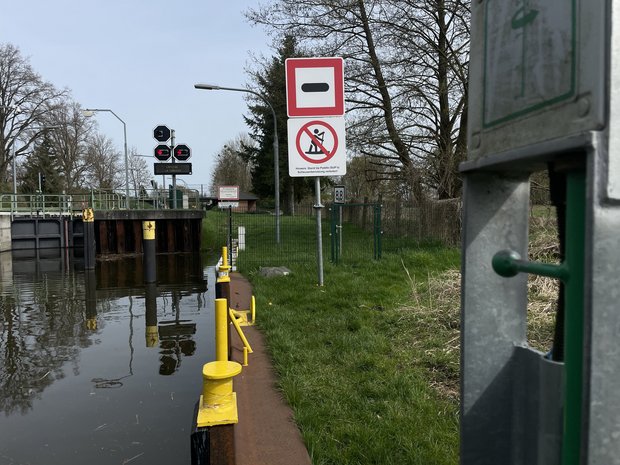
<point x="90" y="112"/>
<point x="276" y="156"/>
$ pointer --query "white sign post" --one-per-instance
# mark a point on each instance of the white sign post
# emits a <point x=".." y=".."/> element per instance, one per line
<point x="316" y="128"/>
<point x="228" y="197"/>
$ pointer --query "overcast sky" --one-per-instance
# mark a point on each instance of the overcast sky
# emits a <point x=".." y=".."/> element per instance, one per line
<point x="141" y="59"/>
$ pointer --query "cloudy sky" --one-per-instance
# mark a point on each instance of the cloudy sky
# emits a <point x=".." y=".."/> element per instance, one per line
<point x="141" y="59"/>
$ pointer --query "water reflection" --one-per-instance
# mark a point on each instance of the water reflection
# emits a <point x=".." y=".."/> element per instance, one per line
<point x="40" y="328"/>
<point x="90" y="349"/>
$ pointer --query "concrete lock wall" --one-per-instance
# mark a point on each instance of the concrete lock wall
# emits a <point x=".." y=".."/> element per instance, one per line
<point x="5" y="233"/>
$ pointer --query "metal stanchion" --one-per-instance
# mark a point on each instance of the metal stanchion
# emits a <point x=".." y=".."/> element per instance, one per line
<point x="149" y="259"/>
<point x="90" y="247"/>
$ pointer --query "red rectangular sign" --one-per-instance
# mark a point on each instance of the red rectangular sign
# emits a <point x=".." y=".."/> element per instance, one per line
<point x="315" y="87"/>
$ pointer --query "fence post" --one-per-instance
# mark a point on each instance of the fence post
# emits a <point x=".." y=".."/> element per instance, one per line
<point x="377" y="231"/>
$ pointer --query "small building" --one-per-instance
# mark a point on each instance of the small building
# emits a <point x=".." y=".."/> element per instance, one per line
<point x="246" y="204"/>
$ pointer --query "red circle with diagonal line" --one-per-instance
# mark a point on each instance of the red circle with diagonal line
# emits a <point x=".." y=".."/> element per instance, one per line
<point x="322" y="150"/>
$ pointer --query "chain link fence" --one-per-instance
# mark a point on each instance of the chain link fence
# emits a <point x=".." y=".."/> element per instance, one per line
<point x="350" y="232"/>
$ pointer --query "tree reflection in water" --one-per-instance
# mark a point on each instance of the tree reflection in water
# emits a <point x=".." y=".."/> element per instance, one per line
<point x="41" y="329"/>
<point x="49" y="313"/>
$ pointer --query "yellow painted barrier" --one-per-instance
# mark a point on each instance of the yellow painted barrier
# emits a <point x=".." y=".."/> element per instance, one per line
<point x="246" y="317"/>
<point x="235" y="323"/>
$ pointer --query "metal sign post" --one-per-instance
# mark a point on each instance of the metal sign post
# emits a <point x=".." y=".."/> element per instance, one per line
<point x="319" y="234"/>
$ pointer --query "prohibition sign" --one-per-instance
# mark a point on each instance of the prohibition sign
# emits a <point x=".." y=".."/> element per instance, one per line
<point x="317" y="145"/>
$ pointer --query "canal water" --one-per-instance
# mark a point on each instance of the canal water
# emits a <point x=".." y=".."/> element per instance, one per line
<point x="98" y="368"/>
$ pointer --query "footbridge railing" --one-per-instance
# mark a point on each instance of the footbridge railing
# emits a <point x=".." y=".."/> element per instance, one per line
<point x="72" y="204"/>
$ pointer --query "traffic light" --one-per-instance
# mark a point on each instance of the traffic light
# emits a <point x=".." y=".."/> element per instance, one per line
<point x="182" y="152"/>
<point x="161" y="133"/>
<point x="162" y="152"/>
<point x="42" y="181"/>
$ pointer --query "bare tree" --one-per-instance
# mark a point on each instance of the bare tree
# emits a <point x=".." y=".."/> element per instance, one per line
<point x="103" y="161"/>
<point x="140" y="174"/>
<point x="26" y="101"/>
<point x="230" y="168"/>
<point x="405" y="78"/>
<point x="70" y="142"/>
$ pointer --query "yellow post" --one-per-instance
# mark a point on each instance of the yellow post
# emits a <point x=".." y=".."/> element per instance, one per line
<point x="245" y="356"/>
<point x="221" y="330"/>
<point x="253" y="309"/>
<point x="224" y="256"/>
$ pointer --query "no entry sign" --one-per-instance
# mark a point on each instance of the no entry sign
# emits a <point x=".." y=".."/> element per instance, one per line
<point x="316" y="147"/>
<point x="315" y="87"/>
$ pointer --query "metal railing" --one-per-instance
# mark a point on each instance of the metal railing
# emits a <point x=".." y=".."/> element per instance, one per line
<point x="73" y="203"/>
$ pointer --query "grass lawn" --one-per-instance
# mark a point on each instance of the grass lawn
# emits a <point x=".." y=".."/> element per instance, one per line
<point x="370" y="361"/>
<point x="364" y="361"/>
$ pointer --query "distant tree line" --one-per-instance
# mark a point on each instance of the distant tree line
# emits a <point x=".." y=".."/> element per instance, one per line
<point x="43" y="131"/>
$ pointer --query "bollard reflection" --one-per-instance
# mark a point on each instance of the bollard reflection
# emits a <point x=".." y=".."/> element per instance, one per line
<point x="90" y="288"/>
<point x="150" y="298"/>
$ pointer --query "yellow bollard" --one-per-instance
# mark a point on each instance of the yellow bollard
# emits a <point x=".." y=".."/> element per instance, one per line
<point x="225" y="256"/>
<point x="221" y="330"/>
<point x="218" y="402"/>
<point x="224" y="269"/>
<point x="253" y="309"/>
<point x="245" y="356"/>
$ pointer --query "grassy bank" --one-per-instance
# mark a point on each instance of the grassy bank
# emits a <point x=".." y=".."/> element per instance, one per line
<point x="365" y="361"/>
<point x="370" y="362"/>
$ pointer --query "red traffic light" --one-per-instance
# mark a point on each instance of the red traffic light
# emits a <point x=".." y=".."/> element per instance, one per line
<point x="182" y="152"/>
<point x="162" y="152"/>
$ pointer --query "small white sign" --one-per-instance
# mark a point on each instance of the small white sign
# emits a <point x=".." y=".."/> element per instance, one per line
<point x="228" y="193"/>
<point x="228" y="204"/>
<point x="316" y="147"/>
<point x="339" y="194"/>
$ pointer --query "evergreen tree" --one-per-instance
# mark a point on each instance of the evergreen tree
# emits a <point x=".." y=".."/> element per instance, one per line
<point x="270" y="81"/>
<point x="41" y="162"/>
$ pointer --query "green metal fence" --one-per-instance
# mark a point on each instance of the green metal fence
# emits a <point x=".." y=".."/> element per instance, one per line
<point x="351" y="232"/>
<point x="355" y="232"/>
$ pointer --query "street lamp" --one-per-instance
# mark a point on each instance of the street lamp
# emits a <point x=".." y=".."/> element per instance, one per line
<point x="276" y="156"/>
<point x="89" y="112"/>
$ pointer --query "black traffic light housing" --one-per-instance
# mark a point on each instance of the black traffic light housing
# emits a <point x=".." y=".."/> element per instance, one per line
<point x="162" y="152"/>
<point x="161" y="133"/>
<point x="182" y="152"/>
